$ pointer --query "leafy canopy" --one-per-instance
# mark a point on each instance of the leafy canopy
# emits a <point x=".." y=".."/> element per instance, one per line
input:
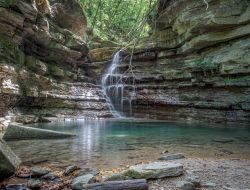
<point x="119" y="20"/>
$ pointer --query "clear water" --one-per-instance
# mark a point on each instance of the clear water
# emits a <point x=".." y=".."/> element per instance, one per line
<point x="108" y="144"/>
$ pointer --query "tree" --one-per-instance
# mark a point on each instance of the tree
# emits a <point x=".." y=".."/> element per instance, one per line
<point x="117" y="20"/>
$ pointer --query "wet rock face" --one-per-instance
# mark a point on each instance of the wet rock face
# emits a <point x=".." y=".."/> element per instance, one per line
<point x="204" y="62"/>
<point x="42" y="61"/>
<point x="196" y="65"/>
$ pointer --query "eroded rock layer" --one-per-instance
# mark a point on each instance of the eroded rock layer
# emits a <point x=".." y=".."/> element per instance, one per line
<point x="40" y="59"/>
<point x="195" y="66"/>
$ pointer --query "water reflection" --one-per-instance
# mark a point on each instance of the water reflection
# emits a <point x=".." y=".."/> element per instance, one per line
<point x="108" y="144"/>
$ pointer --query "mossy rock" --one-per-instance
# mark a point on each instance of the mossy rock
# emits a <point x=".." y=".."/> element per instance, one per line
<point x="154" y="170"/>
<point x="117" y="177"/>
<point x="35" y="65"/>
<point x="55" y="71"/>
<point x="137" y="175"/>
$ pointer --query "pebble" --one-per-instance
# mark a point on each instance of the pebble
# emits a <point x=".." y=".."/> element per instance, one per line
<point x="195" y="180"/>
<point x="209" y="185"/>
<point x="34" y="183"/>
<point x="185" y="185"/>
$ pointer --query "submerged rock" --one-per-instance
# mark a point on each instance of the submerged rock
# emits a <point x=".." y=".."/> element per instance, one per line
<point x="19" y="132"/>
<point x="172" y="157"/>
<point x="70" y="170"/>
<point x="155" y="170"/>
<point x="51" y="177"/>
<point x="80" y="181"/>
<point x="8" y="160"/>
<point x="223" y="140"/>
<point x="86" y="171"/>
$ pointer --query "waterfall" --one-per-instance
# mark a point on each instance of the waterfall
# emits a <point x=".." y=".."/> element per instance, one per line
<point x="110" y="82"/>
<point x="114" y="82"/>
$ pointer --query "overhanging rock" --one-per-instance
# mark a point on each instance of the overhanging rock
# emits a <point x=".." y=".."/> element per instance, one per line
<point x="16" y="131"/>
<point x="8" y="160"/>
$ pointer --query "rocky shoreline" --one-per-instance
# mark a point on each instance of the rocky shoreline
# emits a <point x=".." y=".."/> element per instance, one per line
<point x="175" y="173"/>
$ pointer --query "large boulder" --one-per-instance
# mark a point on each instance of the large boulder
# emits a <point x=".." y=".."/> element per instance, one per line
<point x="68" y="14"/>
<point x="8" y="160"/>
<point x="155" y="170"/>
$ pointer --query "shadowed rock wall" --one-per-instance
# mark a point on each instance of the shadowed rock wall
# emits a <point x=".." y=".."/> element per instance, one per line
<point x="40" y="61"/>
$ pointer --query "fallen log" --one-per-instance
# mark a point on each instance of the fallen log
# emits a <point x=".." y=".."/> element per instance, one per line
<point x="138" y="184"/>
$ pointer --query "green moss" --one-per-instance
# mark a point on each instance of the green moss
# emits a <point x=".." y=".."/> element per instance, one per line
<point x="133" y="174"/>
<point x="55" y="71"/>
<point x="136" y="175"/>
<point x="205" y="64"/>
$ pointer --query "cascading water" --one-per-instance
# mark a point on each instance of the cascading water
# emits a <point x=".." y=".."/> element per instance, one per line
<point x="107" y="80"/>
<point x="113" y="84"/>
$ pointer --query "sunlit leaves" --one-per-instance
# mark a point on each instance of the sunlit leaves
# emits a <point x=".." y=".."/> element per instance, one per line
<point x="117" y="19"/>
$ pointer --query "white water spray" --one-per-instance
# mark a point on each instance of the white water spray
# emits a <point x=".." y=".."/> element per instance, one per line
<point x="114" y="83"/>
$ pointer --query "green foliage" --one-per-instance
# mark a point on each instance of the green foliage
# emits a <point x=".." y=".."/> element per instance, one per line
<point x="119" y="20"/>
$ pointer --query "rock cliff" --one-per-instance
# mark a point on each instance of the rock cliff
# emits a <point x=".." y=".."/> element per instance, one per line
<point x="41" y="58"/>
<point x="194" y="67"/>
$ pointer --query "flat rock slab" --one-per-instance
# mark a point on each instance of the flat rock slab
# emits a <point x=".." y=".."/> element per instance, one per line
<point x="155" y="170"/>
<point x="8" y="160"/>
<point x="16" y="131"/>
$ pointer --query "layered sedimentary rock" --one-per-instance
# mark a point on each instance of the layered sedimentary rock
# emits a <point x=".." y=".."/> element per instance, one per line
<point x="41" y="58"/>
<point x="194" y="67"/>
